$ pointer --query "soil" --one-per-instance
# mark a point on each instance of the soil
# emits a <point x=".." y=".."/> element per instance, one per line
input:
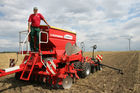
<point x="105" y="81"/>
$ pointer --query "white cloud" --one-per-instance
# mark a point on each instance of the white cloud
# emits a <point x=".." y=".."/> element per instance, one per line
<point x="105" y="20"/>
<point x="7" y="43"/>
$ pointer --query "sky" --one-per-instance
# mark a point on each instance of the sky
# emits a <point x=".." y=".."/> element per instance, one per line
<point x="106" y="23"/>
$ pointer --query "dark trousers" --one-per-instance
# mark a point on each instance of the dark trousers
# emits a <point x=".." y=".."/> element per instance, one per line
<point x="34" y="46"/>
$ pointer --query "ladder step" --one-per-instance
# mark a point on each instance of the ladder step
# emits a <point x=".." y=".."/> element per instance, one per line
<point x="24" y="78"/>
<point x="28" y="68"/>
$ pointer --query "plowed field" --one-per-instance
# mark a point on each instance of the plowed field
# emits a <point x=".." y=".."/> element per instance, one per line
<point x="105" y="81"/>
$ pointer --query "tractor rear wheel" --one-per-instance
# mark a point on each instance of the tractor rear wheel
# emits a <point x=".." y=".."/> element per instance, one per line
<point x="86" y="69"/>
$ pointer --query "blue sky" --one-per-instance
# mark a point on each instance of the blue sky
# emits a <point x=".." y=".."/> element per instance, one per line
<point x="100" y="22"/>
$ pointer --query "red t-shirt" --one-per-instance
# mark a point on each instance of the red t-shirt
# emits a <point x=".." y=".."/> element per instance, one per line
<point x="35" y="19"/>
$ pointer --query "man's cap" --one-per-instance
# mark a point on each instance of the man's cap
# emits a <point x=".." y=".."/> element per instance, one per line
<point x="35" y="8"/>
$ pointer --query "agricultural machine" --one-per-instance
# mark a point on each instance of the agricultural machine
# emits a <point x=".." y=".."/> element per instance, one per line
<point x="59" y="61"/>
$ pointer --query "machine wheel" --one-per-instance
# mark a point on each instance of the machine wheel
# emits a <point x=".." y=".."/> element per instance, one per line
<point x="92" y="68"/>
<point x="98" y="67"/>
<point x="77" y="65"/>
<point x="67" y="82"/>
<point x="86" y="70"/>
<point x="17" y="75"/>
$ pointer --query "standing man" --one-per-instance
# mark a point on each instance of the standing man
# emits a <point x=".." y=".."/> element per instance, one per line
<point x="33" y="28"/>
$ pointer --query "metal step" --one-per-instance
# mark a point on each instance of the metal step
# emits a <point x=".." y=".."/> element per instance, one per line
<point x="27" y="71"/>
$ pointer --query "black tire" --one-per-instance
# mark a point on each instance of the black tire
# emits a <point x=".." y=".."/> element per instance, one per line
<point x="86" y="70"/>
<point x="98" y="67"/>
<point x="77" y="65"/>
<point x="92" y="68"/>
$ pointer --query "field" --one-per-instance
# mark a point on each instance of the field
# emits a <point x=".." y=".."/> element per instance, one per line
<point x="105" y="81"/>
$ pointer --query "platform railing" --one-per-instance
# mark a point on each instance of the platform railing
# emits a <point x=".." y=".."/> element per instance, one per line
<point x="40" y="42"/>
<point x="40" y="37"/>
<point x="24" y="42"/>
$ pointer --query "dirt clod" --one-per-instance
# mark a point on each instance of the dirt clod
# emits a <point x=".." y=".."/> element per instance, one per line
<point x="105" y="81"/>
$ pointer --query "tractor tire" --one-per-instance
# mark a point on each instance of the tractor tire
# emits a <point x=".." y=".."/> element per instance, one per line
<point x="17" y="75"/>
<point x="92" y="68"/>
<point x="98" y="67"/>
<point x="77" y="65"/>
<point x="86" y="70"/>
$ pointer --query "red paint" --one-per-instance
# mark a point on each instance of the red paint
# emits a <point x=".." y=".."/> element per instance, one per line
<point x="54" y="49"/>
<point x="35" y="19"/>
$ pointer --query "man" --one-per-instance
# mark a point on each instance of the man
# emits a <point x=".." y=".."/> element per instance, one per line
<point x="33" y="28"/>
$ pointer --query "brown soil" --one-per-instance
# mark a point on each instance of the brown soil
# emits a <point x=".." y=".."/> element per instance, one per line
<point x="105" y="81"/>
